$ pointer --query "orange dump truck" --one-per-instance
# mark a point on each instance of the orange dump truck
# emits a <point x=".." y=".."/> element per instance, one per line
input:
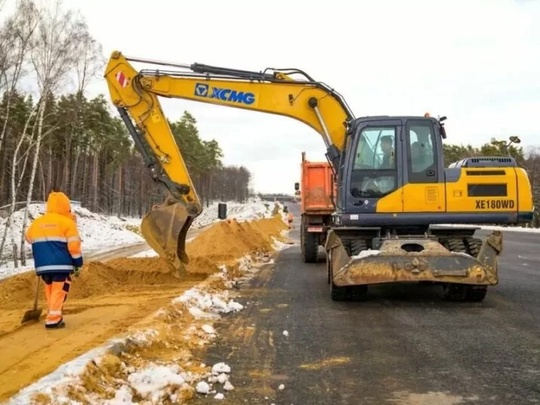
<point x="317" y="192"/>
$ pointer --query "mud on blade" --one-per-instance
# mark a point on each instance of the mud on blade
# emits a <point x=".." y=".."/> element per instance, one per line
<point x="410" y="259"/>
<point x="165" y="230"/>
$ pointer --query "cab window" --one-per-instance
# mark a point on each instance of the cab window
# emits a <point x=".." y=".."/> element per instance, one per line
<point x="422" y="158"/>
<point x="374" y="168"/>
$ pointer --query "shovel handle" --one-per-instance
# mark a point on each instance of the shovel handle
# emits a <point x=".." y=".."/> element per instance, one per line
<point x="36" y="295"/>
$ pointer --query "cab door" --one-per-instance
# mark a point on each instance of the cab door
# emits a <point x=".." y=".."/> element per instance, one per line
<point x="423" y="174"/>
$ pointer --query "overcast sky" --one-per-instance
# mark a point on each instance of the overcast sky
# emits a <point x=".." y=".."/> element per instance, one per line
<point x="475" y="61"/>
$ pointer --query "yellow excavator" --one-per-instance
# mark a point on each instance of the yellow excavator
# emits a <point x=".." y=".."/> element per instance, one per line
<point x="393" y="193"/>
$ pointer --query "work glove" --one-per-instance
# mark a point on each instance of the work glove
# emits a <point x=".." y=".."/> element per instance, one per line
<point x="76" y="271"/>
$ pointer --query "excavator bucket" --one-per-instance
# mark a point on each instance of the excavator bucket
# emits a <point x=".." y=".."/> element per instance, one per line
<point x="413" y="260"/>
<point x="165" y="229"/>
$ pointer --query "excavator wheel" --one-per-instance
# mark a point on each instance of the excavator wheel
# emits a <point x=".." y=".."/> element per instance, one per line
<point x="473" y="246"/>
<point x="460" y="292"/>
<point x="356" y="246"/>
<point x="348" y="293"/>
<point x="329" y="266"/>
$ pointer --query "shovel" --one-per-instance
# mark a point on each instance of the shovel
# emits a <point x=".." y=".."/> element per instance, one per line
<point x="35" y="313"/>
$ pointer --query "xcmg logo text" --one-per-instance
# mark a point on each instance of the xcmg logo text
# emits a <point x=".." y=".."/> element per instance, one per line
<point x="224" y="94"/>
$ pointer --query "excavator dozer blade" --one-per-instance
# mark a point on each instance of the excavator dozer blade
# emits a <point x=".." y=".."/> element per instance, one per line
<point x="413" y="260"/>
<point x="165" y="229"/>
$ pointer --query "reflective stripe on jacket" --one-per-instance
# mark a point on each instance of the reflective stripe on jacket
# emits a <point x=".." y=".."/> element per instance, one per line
<point x="55" y="240"/>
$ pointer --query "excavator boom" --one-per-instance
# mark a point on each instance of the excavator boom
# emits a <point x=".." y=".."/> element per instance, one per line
<point x="135" y="93"/>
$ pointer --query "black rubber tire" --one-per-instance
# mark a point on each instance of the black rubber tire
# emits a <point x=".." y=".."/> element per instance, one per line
<point x="356" y="246"/>
<point x="473" y="246"/>
<point x="464" y="293"/>
<point x="310" y="244"/>
<point x="457" y="245"/>
<point x="338" y="293"/>
<point x="329" y="266"/>
<point x="476" y="293"/>
<point x="455" y="292"/>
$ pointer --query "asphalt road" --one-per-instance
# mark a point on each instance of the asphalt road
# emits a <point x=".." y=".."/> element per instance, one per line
<point x="404" y="345"/>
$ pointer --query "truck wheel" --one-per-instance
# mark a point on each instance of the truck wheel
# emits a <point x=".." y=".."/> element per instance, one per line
<point x="310" y="246"/>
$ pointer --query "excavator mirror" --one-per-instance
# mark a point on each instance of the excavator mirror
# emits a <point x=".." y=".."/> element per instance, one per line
<point x="297" y="186"/>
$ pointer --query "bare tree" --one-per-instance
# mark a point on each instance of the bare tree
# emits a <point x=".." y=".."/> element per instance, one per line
<point x="54" y="55"/>
<point x="15" y="186"/>
<point x="15" y="43"/>
<point x="89" y="62"/>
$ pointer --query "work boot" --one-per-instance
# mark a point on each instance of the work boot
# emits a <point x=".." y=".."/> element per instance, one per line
<point x="60" y="324"/>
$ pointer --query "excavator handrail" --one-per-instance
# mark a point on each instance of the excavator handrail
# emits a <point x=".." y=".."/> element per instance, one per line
<point x="203" y="71"/>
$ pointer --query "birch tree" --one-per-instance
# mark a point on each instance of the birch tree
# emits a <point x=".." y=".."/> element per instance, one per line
<point x="88" y="64"/>
<point x="15" y="43"/>
<point x="54" y="55"/>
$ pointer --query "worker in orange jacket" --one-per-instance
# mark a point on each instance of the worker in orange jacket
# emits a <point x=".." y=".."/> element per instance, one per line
<point x="56" y="247"/>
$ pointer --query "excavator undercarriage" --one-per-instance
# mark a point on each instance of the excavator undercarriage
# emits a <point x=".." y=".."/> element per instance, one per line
<point x="463" y="264"/>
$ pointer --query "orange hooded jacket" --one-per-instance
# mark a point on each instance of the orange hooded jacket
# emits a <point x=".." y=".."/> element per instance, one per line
<point x="55" y="240"/>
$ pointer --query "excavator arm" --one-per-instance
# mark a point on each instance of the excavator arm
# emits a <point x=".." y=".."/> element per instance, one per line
<point x="136" y="94"/>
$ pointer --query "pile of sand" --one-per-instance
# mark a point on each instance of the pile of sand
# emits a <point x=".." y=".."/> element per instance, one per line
<point x="229" y="240"/>
<point x="223" y="243"/>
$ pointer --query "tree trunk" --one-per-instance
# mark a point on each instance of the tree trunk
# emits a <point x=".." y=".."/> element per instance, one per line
<point x="34" y="168"/>
<point x="67" y="163"/>
<point x="15" y="185"/>
<point x="50" y="183"/>
<point x="95" y="182"/>
<point x="73" y="183"/>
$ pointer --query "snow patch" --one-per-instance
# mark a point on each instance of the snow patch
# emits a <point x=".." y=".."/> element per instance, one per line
<point x="98" y="233"/>
<point x="495" y="228"/>
<point x="157" y="383"/>
<point x="254" y="209"/>
<point x="204" y="305"/>
<point x="152" y="382"/>
<point x="366" y="253"/>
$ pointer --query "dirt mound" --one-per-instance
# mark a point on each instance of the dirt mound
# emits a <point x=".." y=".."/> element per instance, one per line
<point x="230" y="240"/>
<point x="222" y="243"/>
<point x="18" y="291"/>
<point x="108" y="298"/>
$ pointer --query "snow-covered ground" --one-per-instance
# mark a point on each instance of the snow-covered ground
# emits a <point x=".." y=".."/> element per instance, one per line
<point x="98" y="233"/>
<point x="254" y="208"/>
<point x="101" y="233"/>
<point x="497" y="228"/>
<point x="157" y="383"/>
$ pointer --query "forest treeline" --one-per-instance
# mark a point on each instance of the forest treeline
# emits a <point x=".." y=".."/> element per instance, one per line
<point x="54" y="136"/>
